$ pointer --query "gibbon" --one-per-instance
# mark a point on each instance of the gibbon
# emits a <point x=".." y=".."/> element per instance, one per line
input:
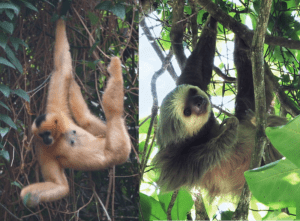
<point x="195" y="150"/>
<point x="68" y="135"/>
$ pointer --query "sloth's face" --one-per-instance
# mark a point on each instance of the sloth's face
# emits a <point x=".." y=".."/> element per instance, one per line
<point x="183" y="113"/>
<point x="195" y="103"/>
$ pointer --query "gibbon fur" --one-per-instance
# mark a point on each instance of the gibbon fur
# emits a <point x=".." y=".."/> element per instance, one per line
<point x="68" y="135"/>
<point x="195" y="150"/>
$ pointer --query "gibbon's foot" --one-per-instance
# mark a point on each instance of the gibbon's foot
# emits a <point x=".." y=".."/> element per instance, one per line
<point x="31" y="200"/>
<point x="114" y="68"/>
<point x="113" y="97"/>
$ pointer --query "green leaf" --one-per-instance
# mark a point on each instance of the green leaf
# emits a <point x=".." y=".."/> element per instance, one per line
<point x="4" y="89"/>
<point x="10" y="5"/>
<point x="5" y="155"/>
<point x="9" y="14"/>
<point x="151" y="208"/>
<point x="226" y="215"/>
<point x="30" y="6"/>
<point x="7" y="26"/>
<point x="182" y="205"/>
<point x="3" y="40"/>
<point x="4" y="131"/>
<point x="22" y="94"/>
<point x="119" y="10"/>
<point x="286" y="139"/>
<point x="7" y="120"/>
<point x="276" y="184"/>
<point x="16" y="42"/>
<point x="6" y="62"/>
<point x="188" y="9"/>
<point x="13" y="59"/>
<point x="15" y="183"/>
<point x="3" y="105"/>
<point x="106" y="5"/>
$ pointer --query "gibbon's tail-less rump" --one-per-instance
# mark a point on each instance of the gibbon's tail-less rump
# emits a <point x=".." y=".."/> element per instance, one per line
<point x="68" y="135"/>
<point x="195" y="150"/>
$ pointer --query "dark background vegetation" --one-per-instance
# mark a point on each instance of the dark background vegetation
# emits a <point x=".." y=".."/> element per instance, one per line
<point x="96" y="31"/>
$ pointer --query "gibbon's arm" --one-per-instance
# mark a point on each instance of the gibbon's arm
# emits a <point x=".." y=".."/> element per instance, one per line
<point x="187" y="167"/>
<point x="100" y="153"/>
<point x="59" y="86"/>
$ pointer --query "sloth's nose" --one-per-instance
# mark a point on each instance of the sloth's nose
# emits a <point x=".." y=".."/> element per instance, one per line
<point x="198" y="100"/>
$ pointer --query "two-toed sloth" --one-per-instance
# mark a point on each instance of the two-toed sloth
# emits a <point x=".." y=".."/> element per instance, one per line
<point x="68" y="135"/>
<point x="195" y="150"/>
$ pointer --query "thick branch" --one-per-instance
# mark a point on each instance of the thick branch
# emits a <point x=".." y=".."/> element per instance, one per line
<point x="222" y="75"/>
<point x="201" y="213"/>
<point x="257" y="59"/>
<point x="177" y="30"/>
<point x="242" y="30"/>
<point x="157" y="49"/>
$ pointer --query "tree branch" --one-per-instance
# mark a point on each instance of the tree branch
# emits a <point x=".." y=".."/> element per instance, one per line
<point x="157" y="49"/>
<point x="222" y="75"/>
<point x="284" y="100"/>
<point x="242" y="30"/>
<point x="170" y="207"/>
<point x="257" y="59"/>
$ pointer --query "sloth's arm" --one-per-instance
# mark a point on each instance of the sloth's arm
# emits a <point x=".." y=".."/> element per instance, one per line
<point x="227" y="138"/>
<point x="186" y="167"/>
<point x="217" y="149"/>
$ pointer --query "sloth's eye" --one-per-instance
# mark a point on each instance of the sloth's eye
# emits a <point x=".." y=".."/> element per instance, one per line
<point x="187" y="112"/>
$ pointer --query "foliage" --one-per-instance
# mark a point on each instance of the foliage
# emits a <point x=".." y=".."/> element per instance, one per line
<point x="284" y="63"/>
<point x="276" y="184"/>
<point x="26" y="61"/>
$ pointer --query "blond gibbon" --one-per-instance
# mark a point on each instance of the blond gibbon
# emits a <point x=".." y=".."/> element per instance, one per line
<point x="68" y="135"/>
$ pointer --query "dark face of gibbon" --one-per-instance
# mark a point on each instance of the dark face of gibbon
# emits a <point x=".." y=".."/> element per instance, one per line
<point x="184" y="111"/>
<point x="45" y="135"/>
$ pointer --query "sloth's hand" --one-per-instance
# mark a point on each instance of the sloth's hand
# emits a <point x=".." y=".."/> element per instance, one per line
<point x="231" y="122"/>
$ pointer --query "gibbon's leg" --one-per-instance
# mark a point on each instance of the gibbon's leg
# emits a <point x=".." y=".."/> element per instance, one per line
<point x="54" y="188"/>
<point x="90" y="152"/>
<point x="81" y="113"/>
<point x="57" y="100"/>
<point x="117" y="138"/>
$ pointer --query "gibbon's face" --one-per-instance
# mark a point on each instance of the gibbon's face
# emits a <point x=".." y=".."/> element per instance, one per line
<point x="42" y="127"/>
<point x="184" y="111"/>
